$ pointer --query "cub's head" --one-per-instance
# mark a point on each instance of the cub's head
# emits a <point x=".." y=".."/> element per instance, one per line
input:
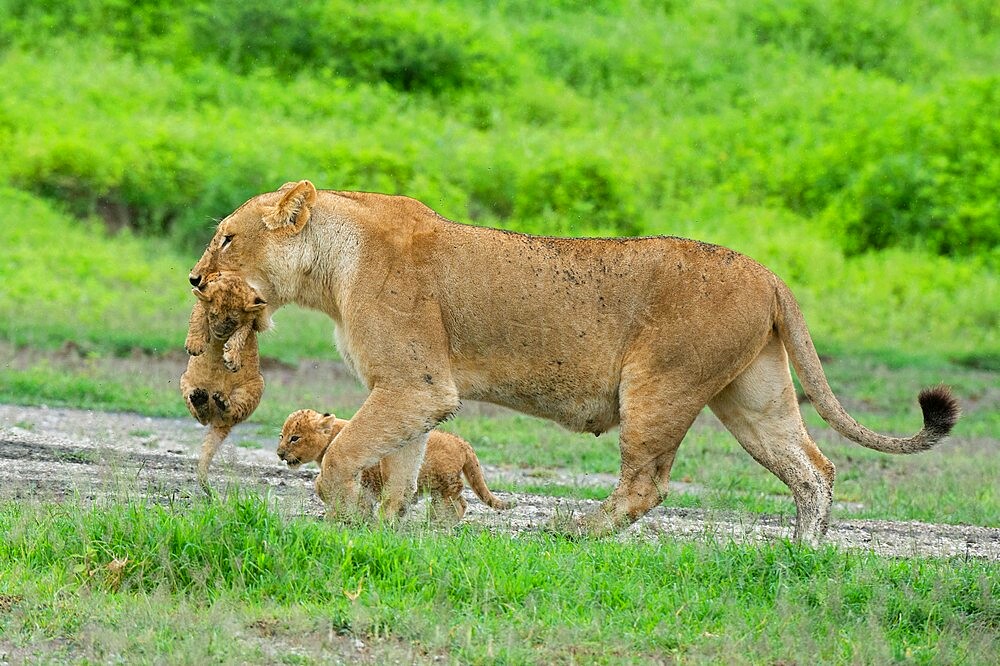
<point x="305" y="436"/>
<point x="230" y="303"/>
<point x="253" y="237"/>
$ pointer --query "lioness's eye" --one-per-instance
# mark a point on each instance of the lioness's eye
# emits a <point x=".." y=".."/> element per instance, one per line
<point x="226" y="240"/>
<point x="293" y="438"/>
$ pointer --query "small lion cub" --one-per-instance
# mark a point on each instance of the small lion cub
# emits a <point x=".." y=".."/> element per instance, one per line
<point x="222" y="384"/>
<point x="307" y="434"/>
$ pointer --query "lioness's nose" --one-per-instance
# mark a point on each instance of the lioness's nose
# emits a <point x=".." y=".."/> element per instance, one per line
<point x="195" y="280"/>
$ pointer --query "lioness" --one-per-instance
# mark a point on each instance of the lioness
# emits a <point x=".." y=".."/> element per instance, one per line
<point x="591" y="333"/>
<point x="218" y="392"/>
<point x="306" y="436"/>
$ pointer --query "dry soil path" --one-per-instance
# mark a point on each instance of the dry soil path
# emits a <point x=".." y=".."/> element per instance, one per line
<point x="63" y="453"/>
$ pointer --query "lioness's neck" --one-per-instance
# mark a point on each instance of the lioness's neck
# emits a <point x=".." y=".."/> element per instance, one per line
<point x="313" y="271"/>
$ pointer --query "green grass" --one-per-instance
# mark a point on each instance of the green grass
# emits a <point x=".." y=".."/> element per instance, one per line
<point x="122" y="568"/>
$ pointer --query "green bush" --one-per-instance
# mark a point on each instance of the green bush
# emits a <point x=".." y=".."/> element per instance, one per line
<point x="417" y="47"/>
<point x="865" y="34"/>
<point x="577" y="194"/>
<point x="940" y="192"/>
<point x="566" y="118"/>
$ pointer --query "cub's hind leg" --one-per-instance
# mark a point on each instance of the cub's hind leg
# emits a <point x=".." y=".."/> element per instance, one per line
<point x="200" y="406"/>
<point x="447" y="504"/>
<point x="760" y="409"/>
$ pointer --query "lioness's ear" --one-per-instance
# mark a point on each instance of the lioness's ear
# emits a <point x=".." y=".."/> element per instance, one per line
<point x="294" y="209"/>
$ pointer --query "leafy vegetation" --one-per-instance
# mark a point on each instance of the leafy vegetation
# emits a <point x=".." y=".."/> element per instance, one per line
<point x="596" y="120"/>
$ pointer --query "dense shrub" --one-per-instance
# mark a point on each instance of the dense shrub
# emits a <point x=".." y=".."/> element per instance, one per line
<point x="578" y="194"/>
<point x="865" y="34"/>
<point x="940" y="191"/>
<point x="563" y="118"/>
<point x="416" y="47"/>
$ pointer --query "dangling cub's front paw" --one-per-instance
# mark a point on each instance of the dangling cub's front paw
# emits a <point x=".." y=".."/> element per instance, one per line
<point x="230" y="360"/>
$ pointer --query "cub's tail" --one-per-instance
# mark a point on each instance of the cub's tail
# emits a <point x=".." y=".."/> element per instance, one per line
<point x="939" y="406"/>
<point x="474" y="475"/>
<point x="214" y="436"/>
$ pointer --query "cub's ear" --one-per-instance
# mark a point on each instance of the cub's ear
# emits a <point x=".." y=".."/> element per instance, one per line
<point x="200" y="294"/>
<point x="293" y="210"/>
<point x="328" y="423"/>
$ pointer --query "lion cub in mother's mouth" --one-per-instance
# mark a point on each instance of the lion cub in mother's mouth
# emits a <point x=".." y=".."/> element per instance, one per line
<point x="222" y="384"/>
<point x="307" y="434"/>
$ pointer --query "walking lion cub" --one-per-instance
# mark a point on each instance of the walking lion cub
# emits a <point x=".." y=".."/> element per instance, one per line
<point x="307" y="434"/>
<point x="222" y="385"/>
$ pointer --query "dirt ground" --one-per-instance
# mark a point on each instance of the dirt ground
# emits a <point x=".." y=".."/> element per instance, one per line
<point x="60" y="453"/>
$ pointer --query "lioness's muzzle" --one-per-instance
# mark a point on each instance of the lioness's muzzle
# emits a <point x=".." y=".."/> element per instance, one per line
<point x="195" y="280"/>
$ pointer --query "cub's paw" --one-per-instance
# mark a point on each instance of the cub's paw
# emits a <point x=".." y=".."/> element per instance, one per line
<point x="199" y="405"/>
<point x="198" y="397"/>
<point x="194" y="348"/>
<point x="231" y="362"/>
<point x="220" y="402"/>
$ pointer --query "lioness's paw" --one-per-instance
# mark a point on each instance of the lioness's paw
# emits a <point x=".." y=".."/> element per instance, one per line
<point x="596" y="523"/>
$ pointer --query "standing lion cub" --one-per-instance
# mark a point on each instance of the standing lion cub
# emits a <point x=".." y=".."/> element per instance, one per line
<point x="222" y="384"/>
<point x="307" y="434"/>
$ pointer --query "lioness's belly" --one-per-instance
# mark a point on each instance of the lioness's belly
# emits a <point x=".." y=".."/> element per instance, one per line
<point x="581" y="404"/>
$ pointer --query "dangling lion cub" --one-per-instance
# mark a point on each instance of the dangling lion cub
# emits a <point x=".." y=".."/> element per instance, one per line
<point x="222" y="384"/>
<point x="307" y="434"/>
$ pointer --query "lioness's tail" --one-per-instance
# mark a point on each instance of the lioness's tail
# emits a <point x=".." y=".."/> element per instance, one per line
<point x="474" y="475"/>
<point x="940" y="408"/>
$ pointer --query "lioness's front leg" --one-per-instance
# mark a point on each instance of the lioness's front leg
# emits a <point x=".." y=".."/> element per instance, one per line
<point x="392" y="423"/>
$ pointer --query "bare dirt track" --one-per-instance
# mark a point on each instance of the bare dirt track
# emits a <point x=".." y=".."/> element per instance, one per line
<point x="61" y="454"/>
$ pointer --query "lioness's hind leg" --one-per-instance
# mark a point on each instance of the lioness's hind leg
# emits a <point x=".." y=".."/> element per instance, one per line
<point x="654" y="420"/>
<point x="760" y="409"/>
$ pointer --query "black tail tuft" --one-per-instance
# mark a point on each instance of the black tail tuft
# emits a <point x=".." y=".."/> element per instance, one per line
<point x="941" y="410"/>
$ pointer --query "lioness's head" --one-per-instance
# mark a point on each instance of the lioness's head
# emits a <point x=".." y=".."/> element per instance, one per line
<point x="229" y="303"/>
<point x="305" y="436"/>
<point x="250" y="239"/>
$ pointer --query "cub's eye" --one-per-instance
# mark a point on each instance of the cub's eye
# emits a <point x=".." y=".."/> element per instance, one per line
<point x="226" y="240"/>
<point x="293" y="438"/>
